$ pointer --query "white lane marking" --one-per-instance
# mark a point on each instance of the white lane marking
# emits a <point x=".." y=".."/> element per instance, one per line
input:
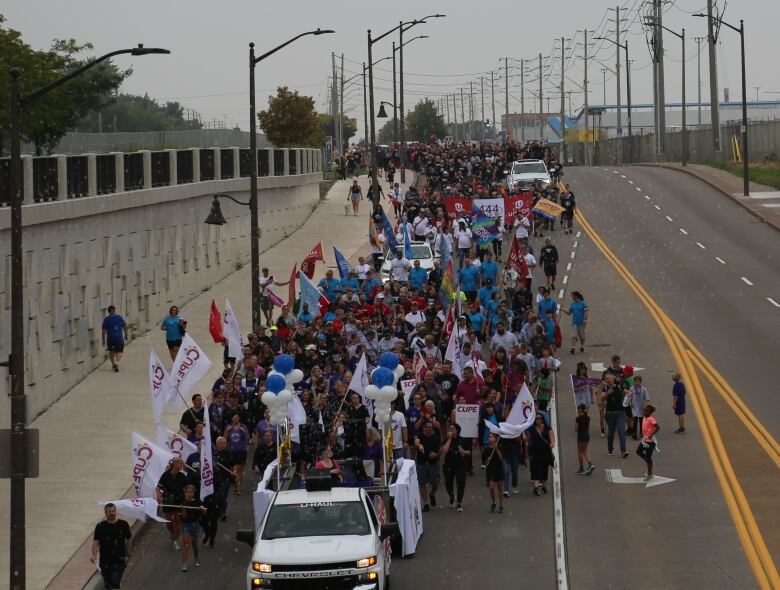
<point x="574" y="245"/>
<point x="746" y="281"/>
<point x="616" y="476"/>
<point x="657" y="207"/>
<point x="773" y="302"/>
<point x="630" y="182"/>
<point x="720" y="260"/>
<point x="622" y="176"/>
<point x="572" y="255"/>
<point x="639" y="190"/>
<point x="568" y="267"/>
<point x="700" y="245"/>
<point x="560" y="294"/>
<point x="606" y="169"/>
<point x="682" y="231"/>
<point x="565" y="279"/>
<point x="558" y="516"/>
<point x="616" y="172"/>
<point x="647" y="197"/>
<point x="579" y="233"/>
<point x="669" y="218"/>
<point x="770" y="205"/>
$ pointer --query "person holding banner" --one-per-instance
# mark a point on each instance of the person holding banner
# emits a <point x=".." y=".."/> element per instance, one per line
<point x="457" y="459"/>
<point x="170" y="493"/>
<point x="192" y="509"/>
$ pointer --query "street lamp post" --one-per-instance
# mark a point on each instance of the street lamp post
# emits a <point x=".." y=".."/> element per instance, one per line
<point x="745" y="161"/>
<point x="624" y="46"/>
<point x="402" y="26"/>
<point x="253" y="212"/>
<point x="19" y="450"/>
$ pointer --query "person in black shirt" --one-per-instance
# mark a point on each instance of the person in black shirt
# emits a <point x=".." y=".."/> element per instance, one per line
<point x="567" y="217"/>
<point x="170" y="491"/>
<point x="265" y="453"/>
<point x="428" y="444"/>
<point x="191" y="512"/>
<point x="193" y="415"/>
<point x="457" y="458"/>
<point x="548" y="258"/>
<point x="615" y="413"/>
<point x="355" y="427"/>
<point x="113" y="540"/>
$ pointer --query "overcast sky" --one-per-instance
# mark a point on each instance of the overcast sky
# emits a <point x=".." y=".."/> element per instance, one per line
<point x="207" y="70"/>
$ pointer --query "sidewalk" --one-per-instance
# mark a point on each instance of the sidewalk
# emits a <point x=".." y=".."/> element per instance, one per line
<point x="763" y="202"/>
<point x="85" y="437"/>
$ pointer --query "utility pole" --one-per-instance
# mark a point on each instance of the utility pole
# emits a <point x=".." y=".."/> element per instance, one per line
<point x="661" y="85"/>
<point x="563" y="96"/>
<point x="472" y="127"/>
<point x="482" y="104"/>
<point x="493" y="106"/>
<point x="699" y="41"/>
<point x="604" y="73"/>
<point x="341" y="109"/>
<point x="365" y="112"/>
<point x="585" y="88"/>
<point x="522" y="101"/>
<point x="395" y="105"/>
<point x="541" y="101"/>
<point x="714" y="100"/>
<point x="334" y="101"/>
<point x="617" y="73"/>
<point x="463" y="114"/>
<point x="507" y="133"/>
<point x="455" y="115"/>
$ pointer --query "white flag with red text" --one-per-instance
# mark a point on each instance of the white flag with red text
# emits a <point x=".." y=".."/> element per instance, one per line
<point x="206" y="458"/>
<point x="159" y="385"/>
<point x="190" y="365"/>
<point x="137" y="508"/>
<point x="232" y="332"/>
<point x="149" y="463"/>
<point x="174" y="442"/>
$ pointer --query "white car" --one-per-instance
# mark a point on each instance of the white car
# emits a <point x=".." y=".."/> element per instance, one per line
<point x="330" y="538"/>
<point x="524" y="173"/>
<point x="420" y="251"/>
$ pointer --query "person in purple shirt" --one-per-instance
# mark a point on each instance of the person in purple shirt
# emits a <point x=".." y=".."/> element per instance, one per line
<point x="678" y="393"/>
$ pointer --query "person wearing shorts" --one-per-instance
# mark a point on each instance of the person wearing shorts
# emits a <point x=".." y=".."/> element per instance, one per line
<point x="192" y="509"/>
<point x="114" y="335"/>
<point x="678" y="405"/>
<point x="578" y="310"/>
<point x="548" y="258"/>
<point x="237" y="437"/>
<point x="174" y="327"/>
<point x="428" y="444"/>
<point x="647" y="445"/>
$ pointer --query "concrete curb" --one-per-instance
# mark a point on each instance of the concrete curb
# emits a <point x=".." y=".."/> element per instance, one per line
<point x="694" y="173"/>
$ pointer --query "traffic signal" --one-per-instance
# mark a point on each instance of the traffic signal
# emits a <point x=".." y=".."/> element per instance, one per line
<point x="488" y="123"/>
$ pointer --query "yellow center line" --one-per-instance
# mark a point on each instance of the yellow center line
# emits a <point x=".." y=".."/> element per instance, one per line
<point x="756" y="551"/>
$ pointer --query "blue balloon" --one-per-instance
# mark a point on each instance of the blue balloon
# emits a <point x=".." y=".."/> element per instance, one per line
<point x="382" y="376"/>
<point x="284" y="363"/>
<point x="275" y="383"/>
<point x="389" y="360"/>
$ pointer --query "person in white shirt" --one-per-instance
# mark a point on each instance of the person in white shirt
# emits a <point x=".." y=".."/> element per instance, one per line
<point x="521" y="227"/>
<point x="530" y="262"/>
<point x="509" y="279"/>
<point x="399" y="268"/>
<point x="502" y="338"/>
<point x="419" y="225"/>
<point x="377" y="247"/>
<point x="398" y="427"/>
<point x="362" y="268"/>
<point x="462" y="237"/>
<point x="415" y="316"/>
<point x="430" y="235"/>
<point x="469" y="355"/>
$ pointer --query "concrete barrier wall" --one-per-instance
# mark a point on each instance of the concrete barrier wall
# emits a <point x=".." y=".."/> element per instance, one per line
<point x="763" y="142"/>
<point x="141" y="251"/>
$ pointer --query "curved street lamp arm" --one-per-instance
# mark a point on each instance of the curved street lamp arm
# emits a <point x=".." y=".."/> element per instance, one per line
<point x="286" y="43"/>
<point x="140" y="50"/>
<point x="217" y="195"/>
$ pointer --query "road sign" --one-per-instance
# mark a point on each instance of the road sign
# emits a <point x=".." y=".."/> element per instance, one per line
<point x="616" y="476"/>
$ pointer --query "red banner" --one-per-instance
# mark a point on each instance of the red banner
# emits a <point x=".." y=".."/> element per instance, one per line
<point x="215" y="324"/>
<point x="307" y="266"/>
<point x="516" y="260"/>
<point x="514" y="204"/>
<point x="291" y="292"/>
<point x="457" y="206"/>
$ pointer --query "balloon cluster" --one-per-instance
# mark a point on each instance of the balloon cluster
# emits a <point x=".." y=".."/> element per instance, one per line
<point x="383" y="389"/>
<point x="277" y="387"/>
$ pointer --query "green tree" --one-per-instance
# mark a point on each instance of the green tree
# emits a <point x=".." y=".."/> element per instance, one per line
<point x="138" y="113"/>
<point x="386" y="135"/>
<point x="291" y="120"/>
<point x="423" y="122"/>
<point x="327" y="123"/>
<point x="46" y="120"/>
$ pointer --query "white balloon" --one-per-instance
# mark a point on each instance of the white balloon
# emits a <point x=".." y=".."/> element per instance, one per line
<point x="294" y="377"/>
<point x="371" y="392"/>
<point x="268" y="398"/>
<point x="399" y="372"/>
<point x="285" y="397"/>
<point x="388" y="393"/>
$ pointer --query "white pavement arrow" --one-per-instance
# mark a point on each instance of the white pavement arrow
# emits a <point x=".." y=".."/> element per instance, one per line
<point x="616" y="476"/>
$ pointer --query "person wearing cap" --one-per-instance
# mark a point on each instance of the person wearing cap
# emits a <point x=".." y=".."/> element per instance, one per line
<point x="486" y="292"/>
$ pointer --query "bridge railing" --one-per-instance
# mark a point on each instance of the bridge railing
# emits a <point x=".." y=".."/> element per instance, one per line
<point x="61" y="177"/>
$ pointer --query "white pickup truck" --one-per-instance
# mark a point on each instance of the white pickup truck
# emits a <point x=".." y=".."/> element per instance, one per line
<point x="331" y="539"/>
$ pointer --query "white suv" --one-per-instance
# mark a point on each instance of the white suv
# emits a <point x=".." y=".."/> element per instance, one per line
<point x="524" y="173"/>
<point x="314" y="538"/>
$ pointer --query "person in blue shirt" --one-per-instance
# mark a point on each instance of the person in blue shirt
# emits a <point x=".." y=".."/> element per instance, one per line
<point x="330" y="286"/>
<point x="489" y="269"/>
<point x="305" y="315"/>
<point x="469" y="279"/>
<point x="578" y="310"/>
<point x="417" y="276"/>
<point x="174" y="327"/>
<point x="547" y="303"/>
<point x="369" y="284"/>
<point x="350" y="281"/>
<point x="486" y="292"/>
<point x="477" y="319"/>
<point x="114" y="334"/>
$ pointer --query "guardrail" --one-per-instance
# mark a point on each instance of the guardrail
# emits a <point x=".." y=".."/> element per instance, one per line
<point x="60" y="177"/>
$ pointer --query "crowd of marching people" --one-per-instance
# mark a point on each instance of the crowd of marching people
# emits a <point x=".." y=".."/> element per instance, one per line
<point x="484" y="294"/>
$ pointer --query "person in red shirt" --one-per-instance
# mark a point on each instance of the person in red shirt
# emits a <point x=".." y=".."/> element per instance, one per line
<point x="469" y="388"/>
<point x="647" y="445"/>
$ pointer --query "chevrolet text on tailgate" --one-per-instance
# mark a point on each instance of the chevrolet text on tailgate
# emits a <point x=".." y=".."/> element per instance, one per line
<point x="321" y="538"/>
